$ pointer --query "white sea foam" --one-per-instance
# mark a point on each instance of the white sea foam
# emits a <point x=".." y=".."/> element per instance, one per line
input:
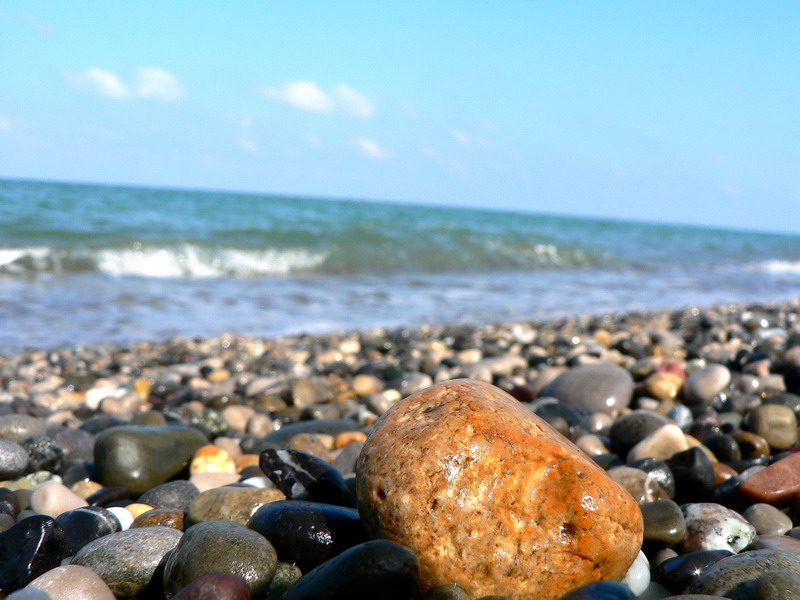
<point x="780" y="266"/>
<point x="18" y="260"/>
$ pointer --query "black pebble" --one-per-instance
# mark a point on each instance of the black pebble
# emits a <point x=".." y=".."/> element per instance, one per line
<point x="678" y="572"/>
<point x="694" y="476"/>
<point x="303" y="476"/>
<point x="28" y="549"/>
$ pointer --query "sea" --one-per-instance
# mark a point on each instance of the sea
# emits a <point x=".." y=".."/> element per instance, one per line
<point x="98" y="264"/>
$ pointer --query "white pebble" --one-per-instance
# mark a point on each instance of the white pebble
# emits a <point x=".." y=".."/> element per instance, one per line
<point x="123" y="515"/>
<point x="638" y="576"/>
<point x="259" y="482"/>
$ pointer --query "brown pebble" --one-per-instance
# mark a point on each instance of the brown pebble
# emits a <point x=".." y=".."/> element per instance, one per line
<point x="777" y="484"/>
<point x="164" y="517"/>
<point x="751" y="444"/>
<point x="722" y="472"/>
<point x="348" y="437"/>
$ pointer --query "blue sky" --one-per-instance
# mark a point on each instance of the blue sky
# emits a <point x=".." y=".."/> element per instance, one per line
<point x="683" y="112"/>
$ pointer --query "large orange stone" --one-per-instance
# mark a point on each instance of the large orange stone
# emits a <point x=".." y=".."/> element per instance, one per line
<point x="489" y="496"/>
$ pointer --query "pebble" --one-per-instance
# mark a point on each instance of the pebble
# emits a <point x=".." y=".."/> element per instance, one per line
<point x="704" y="384"/>
<point x="212" y="459"/>
<point x="220" y="547"/>
<point x="84" y="525"/>
<point x="711" y="526"/>
<point x="662" y="444"/>
<point x="642" y="486"/>
<point x="215" y="586"/>
<point x="375" y="569"/>
<point x="173" y="494"/>
<point x="777" y="484"/>
<point x="308" y="533"/>
<point x="19" y="427"/>
<point x="599" y="388"/>
<point x="31" y="547"/>
<point x="127" y="560"/>
<point x="630" y="429"/>
<point x="777" y="424"/>
<point x="735" y="577"/>
<point x="53" y="498"/>
<point x="164" y="517"/>
<point x="638" y="576"/>
<point x="780" y="584"/>
<point x="13" y="459"/>
<point x="299" y="475"/>
<point x="231" y="503"/>
<point x="678" y="572"/>
<point x="601" y="590"/>
<point x="142" y="457"/>
<point x="72" y="582"/>
<point x="664" y="523"/>
<point x="464" y="450"/>
<point x="694" y="475"/>
<point x="767" y="519"/>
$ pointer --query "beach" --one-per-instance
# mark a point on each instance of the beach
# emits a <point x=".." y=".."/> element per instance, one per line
<point x="706" y="370"/>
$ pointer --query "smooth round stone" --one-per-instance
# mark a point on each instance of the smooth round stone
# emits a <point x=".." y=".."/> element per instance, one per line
<point x="767" y="519"/>
<point x="173" y="494"/>
<point x="678" y="572"/>
<point x="681" y="415"/>
<point x="694" y="475"/>
<point x="212" y="459"/>
<point x="662" y="444"/>
<point x="724" y="447"/>
<point x="13" y="459"/>
<point x="308" y="533"/>
<point x="31" y="547"/>
<point x="124" y="516"/>
<point x="84" y="525"/>
<point x="127" y="560"/>
<point x="751" y="444"/>
<point x="602" y="387"/>
<point x="231" y="503"/>
<point x="591" y="445"/>
<point x="286" y="575"/>
<point x="9" y="503"/>
<point x="53" y="498"/>
<point x="703" y="385"/>
<point x="777" y="424"/>
<point x="776" y="542"/>
<point x="628" y="430"/>
<point x="658" y="470"/>
<point x="525" y="499"/>
<point x="663" y="386"/>
<point x="601" y="590"/>
<point x="451" y="591"/>
<point x="735" y="577"/>
<point x="220" y="547"/>
<point x="637" y="483"/>
<point x="777" y="585"/>
<point x="303" y="476"/>
<point x="376" y="569"/>
<point x="163" y="517"/>
<point x="711" y="526"/>
<point x="142" y="457"/>
<point x="638" y="576"/>
<point x="215" y="586"/>
<point x="19" y="427"/>
<point x="664" y="523"/>
<point x="72" y="582"/>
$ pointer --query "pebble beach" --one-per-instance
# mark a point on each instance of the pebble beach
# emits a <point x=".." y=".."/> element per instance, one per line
<point x="226" y="467"/>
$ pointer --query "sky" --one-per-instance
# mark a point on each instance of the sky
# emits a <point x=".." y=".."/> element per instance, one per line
<point x="683" y="112"/>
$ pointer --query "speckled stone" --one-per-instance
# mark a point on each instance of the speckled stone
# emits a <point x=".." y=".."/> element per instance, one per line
<point x="464" y="451"/>
<point x="767" y="519"/>
<point x="602" y="387"/>
<point x="780" y="584"/>
<point x="72" y="582"/>
<point x="711" y="526"/>
<point x="143" y="457"/>
<point x="735" y="577"/>
<point x="127" y="560"/>
<point x="231" y="503"/>
<point x="220" y="547"/>
<point x="285" y="577"/>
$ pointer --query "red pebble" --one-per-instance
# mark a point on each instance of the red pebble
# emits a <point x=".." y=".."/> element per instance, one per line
<point x="776" y="485"/>
<point x="215" y="586"/>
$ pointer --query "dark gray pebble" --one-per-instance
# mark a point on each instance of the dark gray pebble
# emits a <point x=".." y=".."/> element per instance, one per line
<point x="13" y="459"/>
<point x="84" y="525"/>
<point x="28" y="549"/>
<point x="736" y="576"/>
<point x="601" y="590"/>
<point x="172" y="494"/>
<point x="676" y="573"/>
<point x="603" y="387"/>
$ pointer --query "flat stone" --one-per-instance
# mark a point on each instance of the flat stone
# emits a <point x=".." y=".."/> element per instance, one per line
<point x="220" y="547"/>
<point x="142" y="457"/>
<point x="231" y="503"/>
<point x="127" y="560"/>
<point x="664" y="523"/>
<point x="776" y="485"/>
<point x="31" y="547"/>
<point x="376" y="569"/>
<point x="525" y="500"/>
<point x="308" y="533"/>
<point x="702" y="385"/>
<point x="711" y="526"/>
<point x="72" y="582"/>
<point x="767" y="519"/>
<point x="735" y="577"/>
<point x="662" y="444"/>
<point x="776" y="423"/>
<point x="678" y="572"/>
<point x="602" y="387"/>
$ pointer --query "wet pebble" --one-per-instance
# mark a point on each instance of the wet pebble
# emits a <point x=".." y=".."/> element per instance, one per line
<point x="767" y="519"/>
<point x="602" y="387"/>
<point x="711" y="526"/>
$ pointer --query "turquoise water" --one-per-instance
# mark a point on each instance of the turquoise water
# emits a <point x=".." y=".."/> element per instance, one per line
<point x="87" y="263"/>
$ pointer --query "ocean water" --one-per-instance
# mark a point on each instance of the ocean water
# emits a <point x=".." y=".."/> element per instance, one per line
<point x="87" y="264"/>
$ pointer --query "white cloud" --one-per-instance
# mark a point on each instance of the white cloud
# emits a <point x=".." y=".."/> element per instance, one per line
<point x="461" y="137"/>
<point x="151" y="82"/>
<point x="353" y="102"/>
<point x="304" y="95"/>
<point x="154" y="82"/>
<point x="247" y="145"/>
<point x="99" y="81"/>
<point x="370" y="148"/>
<point x="307" y="95"/>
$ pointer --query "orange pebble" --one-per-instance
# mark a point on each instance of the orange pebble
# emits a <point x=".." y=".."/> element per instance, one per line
<point x="348" y="437"/>
<point x="212" y="459"/>
<point x="138" y="508"/>
<point x="246" y="460"/>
